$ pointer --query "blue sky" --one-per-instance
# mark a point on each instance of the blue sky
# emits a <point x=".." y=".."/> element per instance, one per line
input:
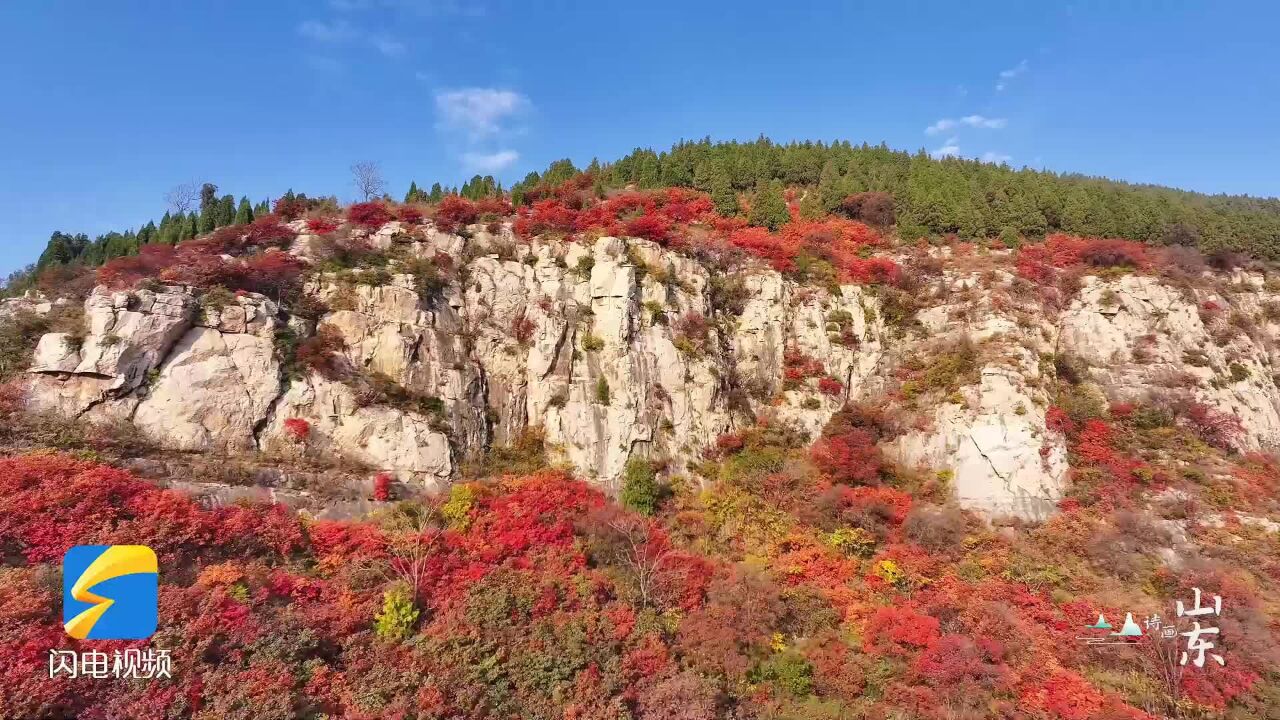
<point x="106" y="108"/>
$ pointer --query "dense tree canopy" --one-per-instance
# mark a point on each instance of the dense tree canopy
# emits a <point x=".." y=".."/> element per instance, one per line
<point x="967" y="198"/>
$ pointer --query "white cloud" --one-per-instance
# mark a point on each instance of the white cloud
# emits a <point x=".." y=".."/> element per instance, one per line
<point x="1011" y="73"/>
<point x="995" y="158"/>
<point x="321" y="31"/>
<point x="490" y="162"/>
<point x="979" y="121"/>
<point x="950" y="148"/>
<point x="387" y="46"/>
<point x="478" y="112"/>
<point x="973" y="121"/>
<point x="942" y="125"/>
<point x="343" y="32"/>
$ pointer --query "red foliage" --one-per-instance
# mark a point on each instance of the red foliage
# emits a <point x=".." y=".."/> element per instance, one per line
<point x="410" y="214"/>
<point x="125" y="272"/>
<point x="269" y="273"/>
<point x="268" y="230"/>
<point x="454" y="212"/>
<point x="898" y="630"/>
<point x="323" y="224"/>
<point x="372" y="215"/>
<point x="1057" y="419"/>
<point x="1036" y="262"/>
<point x="1065" y="695"/>
<point x="873" y="271"/>
<point x="1217" y="428"/>
<point x="53" y="502"/>
<point x="382" y="487"/>
<point x="649" y="227"/>
<point x="830" y="386"/>
<point x="763" y="244"/>
<point x="297" y="428"/>
<point x="1093" y="446"/>
<point x="953" y="661"/>
<point x="728" y="444"/>
<point x="322" y="352"/>
<point x="289" y="208"/>
<point x="850" y="458"/>
<point x="522" y="328"/>
<point x="1216" y="686"/>
<point x="546" y="216"/>
<point x="799" y="366"/>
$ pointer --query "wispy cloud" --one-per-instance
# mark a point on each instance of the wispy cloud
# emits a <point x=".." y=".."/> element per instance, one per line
<point x="950" y="148"/>
<point x="340" y="32"/>
<point x="327" y="32"/>
<point x="1011" y="73"/>
<point x="387" y="46"/>
<point x="489" y="162"/>
<point x="995" y="157"/>
<point x="973" y="121"/>
<point x="475" y="120"/>
<point x="478" y="112"/>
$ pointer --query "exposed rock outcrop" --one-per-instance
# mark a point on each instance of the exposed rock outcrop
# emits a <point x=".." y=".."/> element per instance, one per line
<point x="619" y="348"/>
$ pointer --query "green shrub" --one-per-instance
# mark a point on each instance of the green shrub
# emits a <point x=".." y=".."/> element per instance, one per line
<point x="639" y="486"/>
<point x="525" y="454"/>
<point x="1239" y="373"/>
<point x="457" y="510"/>
<point x="591" y="343"/>
<point x="398" y="614"/>
<point x="788" y="671"/>
<point x="602" y="391"/>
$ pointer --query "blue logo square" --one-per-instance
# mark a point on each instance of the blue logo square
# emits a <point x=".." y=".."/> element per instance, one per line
<point x="110" y="592"/>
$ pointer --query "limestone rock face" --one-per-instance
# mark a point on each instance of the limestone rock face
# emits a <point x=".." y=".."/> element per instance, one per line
<point x="991" y="436"/>
<point x="383" y="437"/>
<point x="418" y="343"/>
<point x="126" y="336"/>
<point x="29" y="302"/>
<point x="1139" y="334"/>
<point x="218" y="382"/>
<point x="612" y="350"/>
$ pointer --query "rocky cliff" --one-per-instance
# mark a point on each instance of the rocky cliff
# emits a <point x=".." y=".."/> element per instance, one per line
<point x="619" y="348"/>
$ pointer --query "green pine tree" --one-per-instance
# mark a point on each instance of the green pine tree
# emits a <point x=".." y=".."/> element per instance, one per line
<point x="437" y="193"/>
<point x="244" y="213"/>
<point x="811" y="206"/>
<point x="226" y="213"/>
<point x="768" y="206"/>
<point x="721" y="189"/>
<point x="208" y="196"/>
<point x="413" y="194"/>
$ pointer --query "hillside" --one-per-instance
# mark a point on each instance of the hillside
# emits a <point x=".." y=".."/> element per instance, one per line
<point x="659" y="453"/>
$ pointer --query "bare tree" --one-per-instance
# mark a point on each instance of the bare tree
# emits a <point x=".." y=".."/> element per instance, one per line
<point x="412" y="535"/>
<point x="181" y="198"/>
<point x="633" y="546"/>
<point x="368" y="179"/>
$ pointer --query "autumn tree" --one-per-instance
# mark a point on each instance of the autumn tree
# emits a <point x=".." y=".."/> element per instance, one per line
<point x="414" y="532"/>
<point x="367" y="176"/>
<point x="181" y="198"/>
<point x="636" y="547"/>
